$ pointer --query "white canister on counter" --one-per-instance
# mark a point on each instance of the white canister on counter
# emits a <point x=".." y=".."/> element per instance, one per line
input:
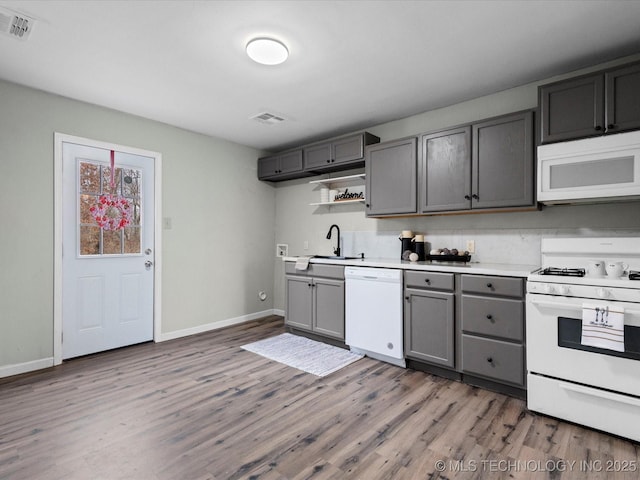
<point x="324" y="194"/>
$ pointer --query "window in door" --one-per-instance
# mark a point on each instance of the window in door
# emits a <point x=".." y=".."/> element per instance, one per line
<point x="109" y="210"/>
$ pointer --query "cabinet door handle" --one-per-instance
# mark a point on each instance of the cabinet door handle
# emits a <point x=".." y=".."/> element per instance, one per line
<point x="367" y="205"/>
<point x="475" y="196"/>
<point x="597" y="128"/>
<point x="467" y="197"/>
<point x="426" y="280"/>
<point x="407" y="298"/>
<point x="490" y="317"/>
<point x="611" y="126"/>
<point x="489" y="285"/>
<point x="490" y="359"/>
<point x="328" y="161"/>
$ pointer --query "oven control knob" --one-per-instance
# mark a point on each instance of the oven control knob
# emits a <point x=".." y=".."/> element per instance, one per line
<point x="548" y="288"/>
<point x="564" y="290"/>
<point x="602" y="293"/>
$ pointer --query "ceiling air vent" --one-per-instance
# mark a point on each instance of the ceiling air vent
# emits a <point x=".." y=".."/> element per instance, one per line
<point x="267" y="118"/>
<point x="15" y="24"/>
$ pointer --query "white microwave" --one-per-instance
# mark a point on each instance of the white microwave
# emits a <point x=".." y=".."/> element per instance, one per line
<point x="591" y="170"/>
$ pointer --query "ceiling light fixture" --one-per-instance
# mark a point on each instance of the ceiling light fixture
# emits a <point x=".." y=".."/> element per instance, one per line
<point x="267" y="51"/>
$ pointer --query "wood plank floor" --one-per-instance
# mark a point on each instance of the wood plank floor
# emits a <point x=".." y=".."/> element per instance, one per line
<point x="202" y="408"/>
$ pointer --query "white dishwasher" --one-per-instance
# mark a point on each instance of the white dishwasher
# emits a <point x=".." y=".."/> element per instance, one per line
<point x="373" y="313"/>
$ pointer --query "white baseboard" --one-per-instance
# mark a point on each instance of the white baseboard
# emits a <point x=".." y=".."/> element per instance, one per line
<point x="216" y="325"/>
<point x="18" y="368"/>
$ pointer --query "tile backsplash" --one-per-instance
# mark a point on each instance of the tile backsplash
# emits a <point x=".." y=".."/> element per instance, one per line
<point x="496" y="246"/>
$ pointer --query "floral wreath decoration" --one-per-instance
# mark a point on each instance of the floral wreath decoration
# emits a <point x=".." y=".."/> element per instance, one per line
<point x="111" y="212"/>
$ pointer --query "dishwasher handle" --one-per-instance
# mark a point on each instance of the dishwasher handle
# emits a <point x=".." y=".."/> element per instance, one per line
<point x="368" y="274"/>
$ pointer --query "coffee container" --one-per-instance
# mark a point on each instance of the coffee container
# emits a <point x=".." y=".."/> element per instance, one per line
<point x="420" y="247"/>
<point x="406" y="238"/>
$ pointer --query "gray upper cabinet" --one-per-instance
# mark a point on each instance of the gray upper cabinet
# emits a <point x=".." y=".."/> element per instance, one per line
<point x="485" y="165"/>
<point x="502" y="162"/>
<point x="331" y="156"/>
<point x="283" y="166"/>
<point x="572" y="109"/>
<point x="622" y="88"/>
<point x="445" y="182"/>
<point x="603" y="102"/>
<point x="391" y="173"/>
<point x="317" y="157"/>
<point x="347" y="152"/>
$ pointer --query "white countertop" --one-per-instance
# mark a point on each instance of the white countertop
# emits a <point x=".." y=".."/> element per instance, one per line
<point x="501" y="269"/>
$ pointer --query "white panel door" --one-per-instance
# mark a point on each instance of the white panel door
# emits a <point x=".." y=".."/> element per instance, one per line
<point x="107" y="249"/>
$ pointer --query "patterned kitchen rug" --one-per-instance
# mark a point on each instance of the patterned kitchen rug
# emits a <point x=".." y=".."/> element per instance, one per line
<point x="303" y="353"/>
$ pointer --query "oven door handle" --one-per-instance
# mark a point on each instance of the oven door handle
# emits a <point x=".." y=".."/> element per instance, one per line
<point x="615" y="397"/>
<point x="576" y="306"/>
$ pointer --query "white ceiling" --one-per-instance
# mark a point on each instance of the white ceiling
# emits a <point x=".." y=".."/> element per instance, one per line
<point x="352" y="64"/>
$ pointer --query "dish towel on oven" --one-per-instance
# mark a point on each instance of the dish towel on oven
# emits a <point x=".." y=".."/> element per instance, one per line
<point x="603" y="327"/>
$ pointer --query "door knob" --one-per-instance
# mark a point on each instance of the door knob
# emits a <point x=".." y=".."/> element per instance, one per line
<point x="148" y="264"/>
<point x="148" y="251"/>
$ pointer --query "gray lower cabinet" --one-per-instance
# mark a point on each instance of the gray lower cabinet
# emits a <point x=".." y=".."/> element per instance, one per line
<point x="328" y="310"/>
<point x="492" y="328"/>
<point x="299" y="311"/>
<point x="429" y="317"/>
<point x="315" y="299"/>
<point x="391" y="173"/>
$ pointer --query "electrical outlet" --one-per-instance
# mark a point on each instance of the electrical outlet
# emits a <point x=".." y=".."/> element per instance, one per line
<point x="471" y="246"/>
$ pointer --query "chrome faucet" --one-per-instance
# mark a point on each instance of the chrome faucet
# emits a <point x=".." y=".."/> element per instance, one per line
<point x="337" y="249"/>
